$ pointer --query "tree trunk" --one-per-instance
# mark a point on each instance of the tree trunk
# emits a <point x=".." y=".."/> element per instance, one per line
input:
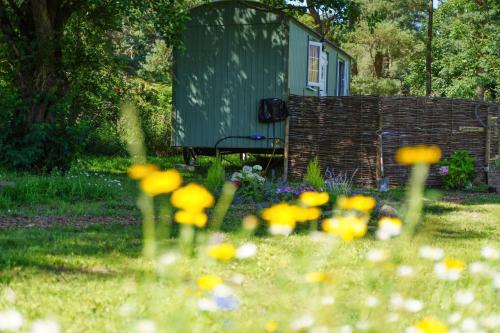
<point x="378" y="64"/>
<point x="35" y="46"/>
<point x="428" y="52"/>
<point x="480" y="90"/>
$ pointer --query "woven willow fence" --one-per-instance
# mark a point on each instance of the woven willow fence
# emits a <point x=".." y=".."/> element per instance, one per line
<point x="360" y="134"/>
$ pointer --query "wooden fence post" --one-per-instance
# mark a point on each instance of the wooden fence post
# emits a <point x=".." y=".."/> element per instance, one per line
<point x="487" y="154"/>
<point x="285" y="150"/>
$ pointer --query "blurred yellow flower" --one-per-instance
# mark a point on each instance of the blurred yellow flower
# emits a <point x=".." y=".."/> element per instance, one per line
<point x="222" y="251"/>
<point x="449" y="269"/>
<point x="360" y="203"/>
<point x="315" y="277"/>
<point x="250" y="222"/>
<point x="160" y="182"/>
<point x="418" y="155"/>
<point x="312" y="199"/>
<point x="455" y="264"/>
<point x="192" y="197"/>
<point x="282" y="214"/>
<point x="346" y="227"/>
<point x="388" y="227"/>
<point x="431" y="325"/>
<point x="271" y="326"/>
<point x="208" y="282"/>
<point x="139" y="171"/>
<point x="392" y="221"/>
<point x="303" y="214"/>
<point x="197" y="218"/>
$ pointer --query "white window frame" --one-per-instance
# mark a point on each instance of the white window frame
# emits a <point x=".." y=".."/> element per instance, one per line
<point x="344" y="91"/>
<point x="320" y="46"/>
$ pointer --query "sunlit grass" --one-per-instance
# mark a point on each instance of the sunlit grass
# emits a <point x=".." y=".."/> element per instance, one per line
<point x="91" y="280"/>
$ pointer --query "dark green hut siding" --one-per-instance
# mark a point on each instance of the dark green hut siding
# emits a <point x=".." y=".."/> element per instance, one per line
<point x="332" y="70"/>
<point x="297" y="72"/>
<point x="233" y="57"/>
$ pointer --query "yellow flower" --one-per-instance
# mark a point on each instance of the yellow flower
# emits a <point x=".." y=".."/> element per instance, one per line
<point x="160" y="182"/>
<point x="388" y="227"/>
<point x="314" y="277"/>
<point x="431" y="325"/>
<point x="282" y="214"/>
<point x="314" y="198"/>
<point x="388" y="221"/>
<point x="250" y="222"/>
<point x="271" y="326"/>
<point x="454" y="264"/>
<point x="192" y="197"/>
<point x="418" y="155"/>
<point x="303" y="214"/>
<point x="197" y="218"/>
<point x="360" y="203"/>
<point x="208" y="282"/>
<point x="139" y="171"/>
<point x="346" y="227"/>
<point x="222" y="251"/>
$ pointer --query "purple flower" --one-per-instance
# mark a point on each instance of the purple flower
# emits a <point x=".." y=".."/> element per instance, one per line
<point x="227" y="303"/>
<point x="443" y="171"/>
<point x="284" y="190"/>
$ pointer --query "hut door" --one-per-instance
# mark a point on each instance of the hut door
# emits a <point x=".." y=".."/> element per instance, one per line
<point x="323" y="67"/>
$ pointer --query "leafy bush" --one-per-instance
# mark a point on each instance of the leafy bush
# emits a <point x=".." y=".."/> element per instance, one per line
<point x="252" y="185"/>
<point x="216" y="176"/>
<point x="37" y="146"/>
<point x="313" y="174"/>
<point x="458" y="170"/>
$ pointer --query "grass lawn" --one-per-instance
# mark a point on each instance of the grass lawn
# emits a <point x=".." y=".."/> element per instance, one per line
<point x="93" y="278"/>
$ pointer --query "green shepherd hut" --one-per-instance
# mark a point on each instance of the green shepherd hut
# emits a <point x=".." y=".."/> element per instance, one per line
<point x="240" y="60"/>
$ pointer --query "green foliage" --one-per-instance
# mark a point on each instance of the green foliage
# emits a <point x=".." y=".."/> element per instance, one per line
<point x="313" y="174"/>
<point x="461" y="170"/>
<point x="466" y="62"/>
<point x="383" y="43"/>
<point x="64" y="79"/>
<point x="216" y="176"/>
<point x="465" y="51"/>
<point x="26" y="189"/>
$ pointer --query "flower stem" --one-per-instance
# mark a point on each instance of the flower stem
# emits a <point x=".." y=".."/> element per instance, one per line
<point x="222" y="206"/>
<point x="415" y="197"/>
<point x="145" y="204"/>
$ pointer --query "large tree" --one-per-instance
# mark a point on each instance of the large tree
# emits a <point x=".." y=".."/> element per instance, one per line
<point x="466" y="59"/>
<point x="330" y="17"/>
<point x="383" y="43"/>
<point x="39" y="40"/>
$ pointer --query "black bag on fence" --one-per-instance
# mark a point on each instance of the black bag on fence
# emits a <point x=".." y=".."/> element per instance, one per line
<point x="272" y="110"/>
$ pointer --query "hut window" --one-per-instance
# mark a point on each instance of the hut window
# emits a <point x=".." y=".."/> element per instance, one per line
<point x="341" y="87"/>
<point x="313" y="64"/>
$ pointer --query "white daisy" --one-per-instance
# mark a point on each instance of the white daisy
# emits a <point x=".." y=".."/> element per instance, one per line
<point x="10" y="320"/>
<point x="490" y="253"/>
<point x="413" y="305"/>
<point x="372" y="301"/>
<point x="302" y="323"/>
<point x="405" y="271"/>
<point x="246" y="250"/>
<point x="464" y="297"/>
<point x="431" y="253"/>
<point x="145" y="326"/>
<point x="376" y="255"/>
<point x="45" y="326"/>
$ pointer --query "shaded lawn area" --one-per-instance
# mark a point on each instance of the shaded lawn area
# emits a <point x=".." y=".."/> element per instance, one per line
<point x="93" y="279"/>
